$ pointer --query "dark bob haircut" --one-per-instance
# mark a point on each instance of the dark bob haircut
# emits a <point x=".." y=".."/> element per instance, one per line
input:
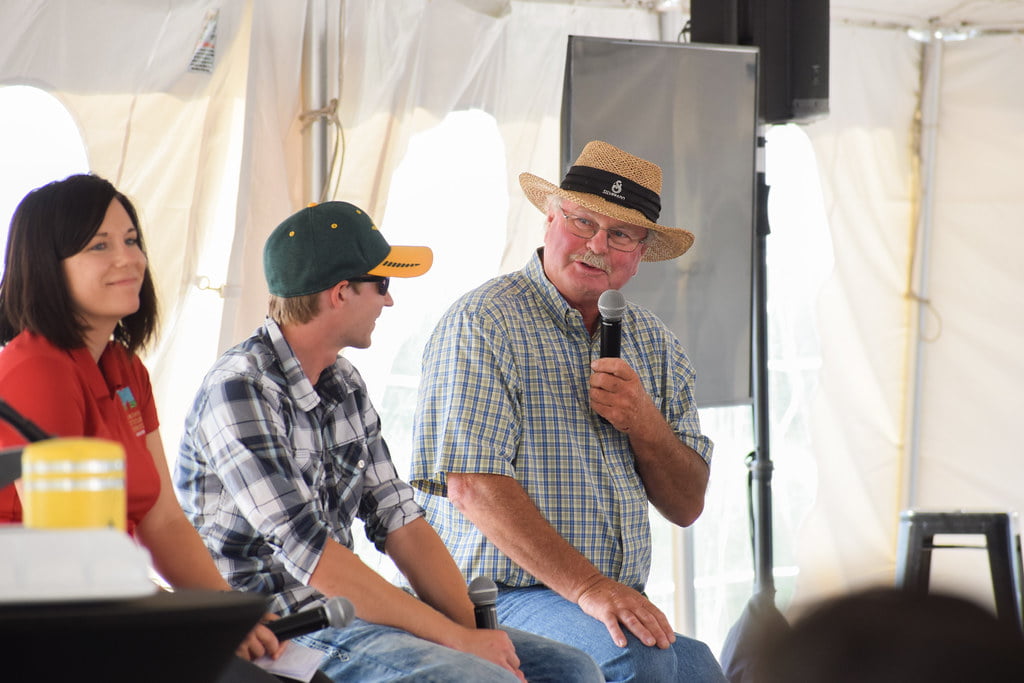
<point x="52" y="223"/>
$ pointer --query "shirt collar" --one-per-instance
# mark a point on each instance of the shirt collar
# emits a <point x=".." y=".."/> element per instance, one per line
<point x="564" y="315"/>
<point x="331" y="384"/>
<point x="295" y="380"/>
<point x="98" y="373"/>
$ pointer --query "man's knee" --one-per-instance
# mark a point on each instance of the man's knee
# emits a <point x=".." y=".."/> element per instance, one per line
<point x="685" y="660"/>
<point x="579" y="667"/>
<point x="696" y="662"/>
<point x="545" y="659"/>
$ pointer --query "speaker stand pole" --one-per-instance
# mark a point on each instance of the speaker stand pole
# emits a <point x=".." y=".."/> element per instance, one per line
<point x="760" y="465"/>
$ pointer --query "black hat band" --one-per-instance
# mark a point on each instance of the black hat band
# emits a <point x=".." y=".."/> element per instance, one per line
<point x="614" y="188"/>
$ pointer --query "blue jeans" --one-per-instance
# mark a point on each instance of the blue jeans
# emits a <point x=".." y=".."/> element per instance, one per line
<point x="542" y="611"/>
<point x="363" y="651"/>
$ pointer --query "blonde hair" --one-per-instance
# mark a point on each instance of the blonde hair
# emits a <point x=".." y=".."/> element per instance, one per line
<point x="293" y="310"/>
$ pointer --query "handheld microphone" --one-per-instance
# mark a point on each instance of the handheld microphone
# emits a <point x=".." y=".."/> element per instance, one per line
<point x="337" y="612"/>
<point x="484" y="595"/>
<point x="611" y="306"/>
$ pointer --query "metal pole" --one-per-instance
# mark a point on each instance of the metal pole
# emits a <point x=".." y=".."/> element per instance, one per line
<point x="315" y="97"/>
<point x="931" y="65"/>
<point x="761" y="465"/>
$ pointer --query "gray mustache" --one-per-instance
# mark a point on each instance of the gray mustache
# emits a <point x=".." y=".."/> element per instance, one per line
<point x="592" y="259"/>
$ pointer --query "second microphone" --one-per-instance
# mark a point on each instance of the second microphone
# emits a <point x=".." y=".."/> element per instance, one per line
<point x="484" y="595"/>
<point x="337" y="612"/>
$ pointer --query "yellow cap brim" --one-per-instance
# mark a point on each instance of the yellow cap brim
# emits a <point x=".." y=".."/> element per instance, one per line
<point x="404" y="262"/>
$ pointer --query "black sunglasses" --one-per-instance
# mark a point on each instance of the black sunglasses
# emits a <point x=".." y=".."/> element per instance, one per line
<point x="382" y="282"/>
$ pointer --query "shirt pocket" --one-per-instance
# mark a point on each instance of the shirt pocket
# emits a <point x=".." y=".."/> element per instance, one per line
<point x="346" y="468"/>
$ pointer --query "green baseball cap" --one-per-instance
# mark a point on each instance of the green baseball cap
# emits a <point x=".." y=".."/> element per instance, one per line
<point x="323" y="244"/>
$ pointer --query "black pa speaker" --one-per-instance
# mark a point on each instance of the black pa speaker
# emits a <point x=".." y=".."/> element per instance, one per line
<point x="792" y="36"/>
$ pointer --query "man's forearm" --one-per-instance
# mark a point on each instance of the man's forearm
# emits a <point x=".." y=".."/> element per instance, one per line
<point x="501" y="509"/>
<point x="504" y="513"/>
<point x="341" y="572"/>
<point x="674" y="475"/>
<point x="421" y="556"/>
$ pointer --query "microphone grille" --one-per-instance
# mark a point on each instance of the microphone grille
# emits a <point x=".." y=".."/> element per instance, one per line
<point x="483" y="591"/>
<point x="340" y="612"/>
<point x="611" y="304"/>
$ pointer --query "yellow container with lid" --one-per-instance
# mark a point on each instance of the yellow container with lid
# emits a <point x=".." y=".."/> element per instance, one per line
<point x="73" y="483"/>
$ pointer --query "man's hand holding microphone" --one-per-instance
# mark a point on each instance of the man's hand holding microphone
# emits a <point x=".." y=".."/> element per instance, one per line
<point x="616" y="393"/>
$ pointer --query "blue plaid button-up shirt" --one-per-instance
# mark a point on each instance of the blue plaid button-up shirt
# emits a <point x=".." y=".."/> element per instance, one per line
<point x="505" y="390"/>
<point x="271" y="466"/>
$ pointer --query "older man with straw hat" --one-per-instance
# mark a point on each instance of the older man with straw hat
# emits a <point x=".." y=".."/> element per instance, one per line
<point x="536" y="459"/>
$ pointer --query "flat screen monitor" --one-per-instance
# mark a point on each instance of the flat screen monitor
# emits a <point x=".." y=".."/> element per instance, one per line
<point x="692" y="109"/>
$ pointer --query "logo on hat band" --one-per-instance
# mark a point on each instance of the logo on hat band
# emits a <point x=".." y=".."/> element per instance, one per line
<point x="623" y="191"/>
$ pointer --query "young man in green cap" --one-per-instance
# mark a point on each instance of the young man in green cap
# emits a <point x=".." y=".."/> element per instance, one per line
<point x="283" y="449"/>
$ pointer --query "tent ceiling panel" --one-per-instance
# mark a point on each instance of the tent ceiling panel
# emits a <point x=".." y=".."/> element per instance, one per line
<point x="899" y="12"/>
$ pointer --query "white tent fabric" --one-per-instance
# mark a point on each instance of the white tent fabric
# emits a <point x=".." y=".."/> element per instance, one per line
<point x="215" y="160"/>
<point x="969" y="455"/>
<point x="864" y="149"/>
<point x="172" y="139"/>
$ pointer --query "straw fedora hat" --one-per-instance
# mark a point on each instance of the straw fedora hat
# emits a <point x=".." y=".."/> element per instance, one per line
<point x="614" y="183"/>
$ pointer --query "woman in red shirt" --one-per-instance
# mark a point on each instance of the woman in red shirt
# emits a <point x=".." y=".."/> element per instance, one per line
<point x="76" y="303"/>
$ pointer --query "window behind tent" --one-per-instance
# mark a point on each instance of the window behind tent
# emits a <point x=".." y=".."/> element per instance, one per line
<point x="449" y="193"/>
<point x="40" y="142"/>
<point x="799" y="262"/>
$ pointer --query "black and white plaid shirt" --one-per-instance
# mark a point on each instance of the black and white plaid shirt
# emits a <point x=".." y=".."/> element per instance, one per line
<point x="270" y="466"/>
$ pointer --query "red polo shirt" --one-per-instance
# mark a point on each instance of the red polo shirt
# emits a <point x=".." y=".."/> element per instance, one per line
<point x="68" y="394"/>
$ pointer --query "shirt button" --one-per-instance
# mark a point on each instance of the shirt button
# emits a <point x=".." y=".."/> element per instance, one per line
<point x="361" y="464"/>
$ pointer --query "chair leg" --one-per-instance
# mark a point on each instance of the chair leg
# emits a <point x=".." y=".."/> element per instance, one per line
<point x="1001" y="545"/>
<point x="916" y="541"/>
<point x="914" y="563"/>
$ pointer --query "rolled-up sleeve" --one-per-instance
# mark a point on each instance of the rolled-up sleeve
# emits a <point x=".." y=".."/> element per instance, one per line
<point x="387" y="502"/>
<point x="681" y="410"/>
<point x="245" y="438"/>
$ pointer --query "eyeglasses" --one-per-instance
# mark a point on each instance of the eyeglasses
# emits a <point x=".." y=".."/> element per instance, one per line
<point x="618" y="239"/>
<point x="382" y="282"/>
